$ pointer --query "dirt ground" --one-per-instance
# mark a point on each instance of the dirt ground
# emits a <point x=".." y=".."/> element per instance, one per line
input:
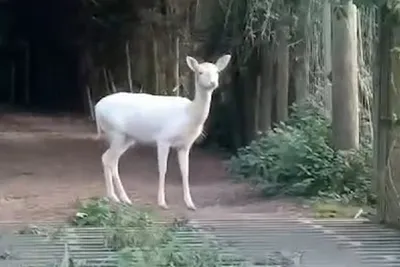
<point x="48" y="163"/>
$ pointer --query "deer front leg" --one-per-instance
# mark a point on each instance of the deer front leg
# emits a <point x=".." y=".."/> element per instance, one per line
<point x="183" y="158"/>
<point x="162" y="159"/>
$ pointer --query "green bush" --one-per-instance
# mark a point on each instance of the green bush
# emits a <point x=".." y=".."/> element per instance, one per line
<point x="137" y="237"/>
<point x="297" y="158"/>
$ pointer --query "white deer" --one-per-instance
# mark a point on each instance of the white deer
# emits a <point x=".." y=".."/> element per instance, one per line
<point x="166" y="121"/>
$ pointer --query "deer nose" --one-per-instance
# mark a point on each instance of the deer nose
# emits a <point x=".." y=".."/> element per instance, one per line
<point x="214" y="84"/>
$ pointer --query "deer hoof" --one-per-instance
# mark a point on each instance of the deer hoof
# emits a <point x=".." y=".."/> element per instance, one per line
<point x="114" y="198"/>
<point x="191" y="206"/>
<point x="127" y="201"/>
<point x="163" y="205"/>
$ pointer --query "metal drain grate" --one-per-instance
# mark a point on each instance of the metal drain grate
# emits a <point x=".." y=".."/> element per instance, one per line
<point x="256" y="238"/>
<point x="85" y="246"/>
<point x="251" y="238"/>
<point x="376" y="245"/>
<point x="329" y="242"/>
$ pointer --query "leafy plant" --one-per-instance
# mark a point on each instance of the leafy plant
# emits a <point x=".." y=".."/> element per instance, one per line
<point x="297" y="158"/>
<point x="138" y="238"/>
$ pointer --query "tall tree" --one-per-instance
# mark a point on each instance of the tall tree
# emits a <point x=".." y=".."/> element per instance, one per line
<point x="282" y="81"/>
<point x="302" y="67"/>
<point x="345" y="115"/>
<point x="327" y="50"/>
<point x="386" y="109"/>
<point x="266" y="87"/>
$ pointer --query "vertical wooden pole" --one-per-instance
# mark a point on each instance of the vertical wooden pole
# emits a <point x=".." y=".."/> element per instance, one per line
<point x="345" y="115"/>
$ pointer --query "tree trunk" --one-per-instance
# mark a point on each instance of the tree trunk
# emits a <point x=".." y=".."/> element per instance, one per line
<point x="386" y="99"/>
<point x="302" y="66"/>
<point x="381" y="88"/>
<point x="327" y="50"/>
<point x="257" y="105"/>
<point x="128" y="65"/>
<point x="345" y="117"/>
<point x="176" y="69"/>
<point x="237" y="105"/>
<point x="265" y="106"/>
<point x="147" y="74"/>
<point x="156" y="66"/>
<point x="250" y="101"/>
<point x="282" y="82"/>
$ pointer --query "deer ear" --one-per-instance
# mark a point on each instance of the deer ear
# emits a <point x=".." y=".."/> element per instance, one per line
<point x="222" y="62"/>
<point x="192" y="63"/>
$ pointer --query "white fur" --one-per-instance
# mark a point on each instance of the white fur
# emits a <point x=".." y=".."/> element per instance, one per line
<point x="166" y="121"/>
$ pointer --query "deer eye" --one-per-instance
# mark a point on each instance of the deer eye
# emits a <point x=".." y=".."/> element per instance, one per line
<point x="201" y="73"/>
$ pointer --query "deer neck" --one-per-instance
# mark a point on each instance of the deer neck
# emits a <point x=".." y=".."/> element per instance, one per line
<point x="200" y="106"/>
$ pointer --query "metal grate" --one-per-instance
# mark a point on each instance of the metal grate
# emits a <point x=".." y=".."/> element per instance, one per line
<point x="327" y="242"/>
<point x="251" y="238"/>
<point x="376" y="245"/>
<point x="86" y="246"/>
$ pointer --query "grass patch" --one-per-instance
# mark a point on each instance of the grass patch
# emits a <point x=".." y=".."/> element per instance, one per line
<point x="323" y="209"/>
<point x="140" y="239"/>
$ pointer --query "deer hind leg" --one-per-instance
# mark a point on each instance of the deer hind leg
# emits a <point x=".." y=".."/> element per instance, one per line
<point x="183" y="158"/>
<point x="162" y="159"/>
<point x="119" y="143"/>
<point x="108" y="176"/>
<point x="118" y="147"/>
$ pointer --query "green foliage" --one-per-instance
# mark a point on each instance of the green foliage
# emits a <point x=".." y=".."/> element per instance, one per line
<point x="297" y="158"/>
<point x="334" y="209"/>
<point x="138" y="238"/>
